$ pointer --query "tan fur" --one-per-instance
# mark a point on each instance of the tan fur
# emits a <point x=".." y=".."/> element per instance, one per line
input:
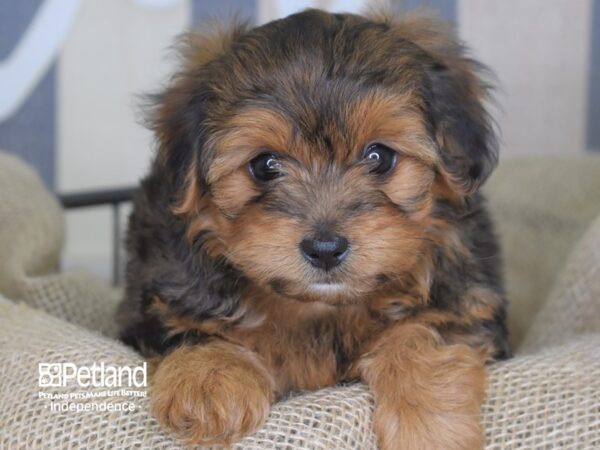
<point x="190" y="203"/>
<point x="214" y="393"/>
<point x="244" y="136"/>
<point x="427" y="393"/>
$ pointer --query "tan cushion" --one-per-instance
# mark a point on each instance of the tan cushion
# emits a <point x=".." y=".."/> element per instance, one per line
<point x="541" y="206"/>
<point x="573" y="306"/>
<point x="31" y="226"/>
<point x="31" y="240"/>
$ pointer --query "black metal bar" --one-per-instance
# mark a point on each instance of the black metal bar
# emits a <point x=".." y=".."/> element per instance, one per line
<point x="112" y="197"/>
<point x="116" y="243"/>
<point x="96" y="198"/>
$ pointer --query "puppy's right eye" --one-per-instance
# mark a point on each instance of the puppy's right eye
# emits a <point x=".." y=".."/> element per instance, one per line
<point x="265" y="167"/>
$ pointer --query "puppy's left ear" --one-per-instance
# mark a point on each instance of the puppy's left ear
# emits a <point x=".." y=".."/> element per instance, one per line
<point x="455" y="94"/>
<point x="460" y="124"/>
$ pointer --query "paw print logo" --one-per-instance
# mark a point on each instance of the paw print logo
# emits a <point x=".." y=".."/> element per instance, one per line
<point x="49" y="375"/>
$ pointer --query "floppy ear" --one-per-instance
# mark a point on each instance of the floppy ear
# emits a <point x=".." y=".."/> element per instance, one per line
<point x="177" y="115"/>
<point x="460" y="125"/>
<point x="455" y="95"/>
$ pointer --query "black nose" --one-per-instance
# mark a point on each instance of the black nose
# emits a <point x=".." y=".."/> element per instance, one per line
<point x="325" y="251"/>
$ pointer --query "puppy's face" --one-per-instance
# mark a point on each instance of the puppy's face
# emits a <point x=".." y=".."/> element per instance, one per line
<point x="313" y="149"/>
<point x="327" y="215"/>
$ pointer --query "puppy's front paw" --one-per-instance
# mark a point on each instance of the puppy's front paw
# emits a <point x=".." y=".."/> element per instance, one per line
<point x="428" y="395"/>
<point x="211" y="394"/>
<point x="413" y="427"/>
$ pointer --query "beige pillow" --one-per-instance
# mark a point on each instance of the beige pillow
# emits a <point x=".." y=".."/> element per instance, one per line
<point x="541" y="206"/>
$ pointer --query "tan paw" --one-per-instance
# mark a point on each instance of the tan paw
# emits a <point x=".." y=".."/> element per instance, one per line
<point x="428" y="394"/>
<point x="211" y="394"/>
<point x="417" y="429"/>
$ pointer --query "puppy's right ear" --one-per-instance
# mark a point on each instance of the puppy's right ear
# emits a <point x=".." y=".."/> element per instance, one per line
<point x="177" y="115"/>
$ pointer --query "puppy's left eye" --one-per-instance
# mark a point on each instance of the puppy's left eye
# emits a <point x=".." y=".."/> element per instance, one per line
<point x="265" y="167"/>
<point x="382" y="159"/>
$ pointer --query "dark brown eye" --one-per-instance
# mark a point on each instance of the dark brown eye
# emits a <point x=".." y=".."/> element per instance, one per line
<point x="265" y="167"/>
<point x="382" y="159"/>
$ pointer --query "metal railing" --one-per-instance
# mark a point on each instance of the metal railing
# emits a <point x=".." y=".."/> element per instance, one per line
<point x="114" y="198"/>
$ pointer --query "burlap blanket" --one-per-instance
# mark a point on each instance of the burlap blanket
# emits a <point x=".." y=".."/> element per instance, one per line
<point x="548" y="396"/>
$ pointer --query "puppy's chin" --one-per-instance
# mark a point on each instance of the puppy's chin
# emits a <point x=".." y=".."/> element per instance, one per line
<point x="328" y="288"/>
<point x="331" y="293"/>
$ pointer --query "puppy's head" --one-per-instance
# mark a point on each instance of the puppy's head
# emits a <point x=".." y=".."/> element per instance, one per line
<point x="308" y="152"/>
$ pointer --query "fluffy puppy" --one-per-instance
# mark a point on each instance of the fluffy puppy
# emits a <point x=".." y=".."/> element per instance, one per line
<point x="313" y="216"/>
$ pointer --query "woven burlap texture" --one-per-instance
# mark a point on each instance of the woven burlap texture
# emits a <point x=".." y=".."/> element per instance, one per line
<point x="546" y="397"/>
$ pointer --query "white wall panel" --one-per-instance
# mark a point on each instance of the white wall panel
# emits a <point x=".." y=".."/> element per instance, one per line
<point x="116" y="49"/>
<point x="539" y="50"/>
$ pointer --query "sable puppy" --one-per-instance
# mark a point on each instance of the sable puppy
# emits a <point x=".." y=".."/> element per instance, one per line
<point x="313" y="216"/>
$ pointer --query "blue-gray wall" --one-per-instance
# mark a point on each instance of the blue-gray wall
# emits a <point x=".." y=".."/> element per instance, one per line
<point x="31" y="131"/>
<point x="210" y="9"/>
<point x="446" y="8"/>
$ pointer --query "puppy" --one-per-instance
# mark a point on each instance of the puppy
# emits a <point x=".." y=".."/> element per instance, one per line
<point x="313" y="216"/>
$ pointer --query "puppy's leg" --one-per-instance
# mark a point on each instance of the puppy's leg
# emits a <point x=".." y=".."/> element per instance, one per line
<point x="427" y="394"/>
<point x="211" y="394"/>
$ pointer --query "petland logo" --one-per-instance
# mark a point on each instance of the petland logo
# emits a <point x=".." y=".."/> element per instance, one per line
<point x="97" y="375"/>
